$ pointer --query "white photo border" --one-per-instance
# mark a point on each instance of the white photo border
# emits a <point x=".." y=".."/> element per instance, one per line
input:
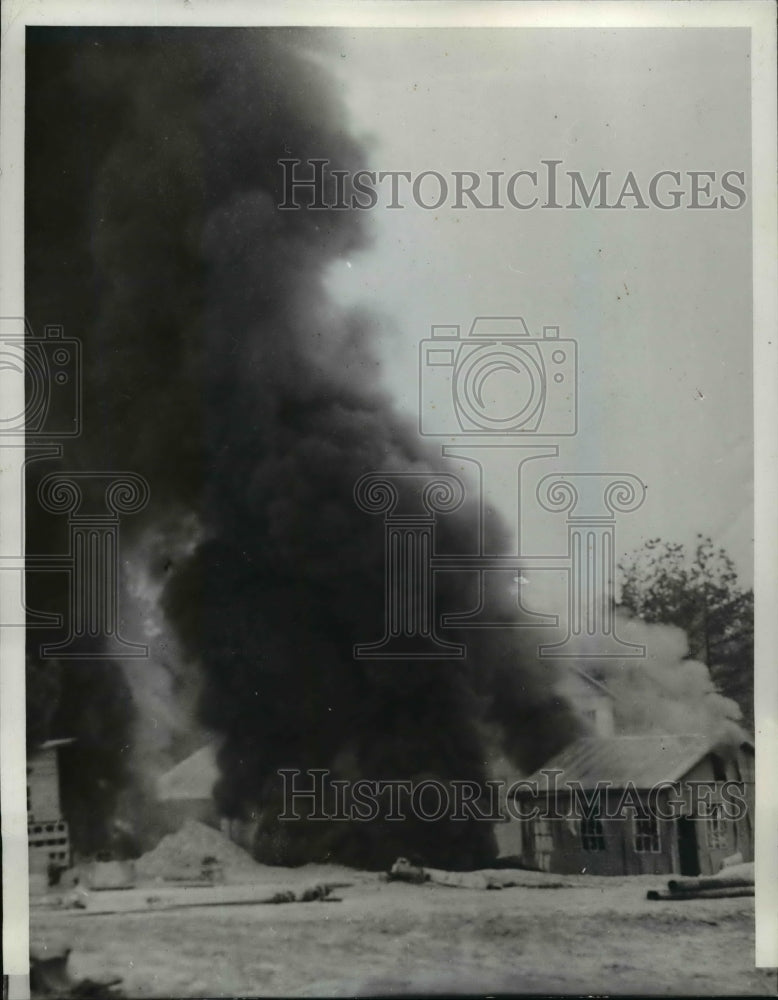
<point x="758" y="16"/>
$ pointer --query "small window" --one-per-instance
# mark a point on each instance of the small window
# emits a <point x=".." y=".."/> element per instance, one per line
<point x="646" y="835"/>
<point x="50" y="828"/>
<point x="716" y="833"/>
<point x="592" y="835"/>
<point x="544" y="843"/>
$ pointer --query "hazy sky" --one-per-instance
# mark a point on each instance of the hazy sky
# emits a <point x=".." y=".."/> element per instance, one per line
<point x="659" y="301"/>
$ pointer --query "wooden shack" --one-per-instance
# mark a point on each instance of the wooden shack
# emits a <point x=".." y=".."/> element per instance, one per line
<point x="679" y="792"/>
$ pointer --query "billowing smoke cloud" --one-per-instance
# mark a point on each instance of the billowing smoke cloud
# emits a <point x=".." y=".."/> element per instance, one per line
<point x="218" y="369"/>
<point x="667" y="692"/>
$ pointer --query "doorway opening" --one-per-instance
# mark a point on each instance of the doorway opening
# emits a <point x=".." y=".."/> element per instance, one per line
<point x="688" y="853"/>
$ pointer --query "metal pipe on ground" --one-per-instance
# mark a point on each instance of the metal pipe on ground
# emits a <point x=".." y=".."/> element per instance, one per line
<point x="711" y="882"/>
<point x="725" y="892"/>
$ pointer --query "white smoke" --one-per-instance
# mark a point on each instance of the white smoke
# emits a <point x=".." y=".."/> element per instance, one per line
<point x="164" y="686"/>
<point x="662" y="692"/>
<point x="665" y="692"/>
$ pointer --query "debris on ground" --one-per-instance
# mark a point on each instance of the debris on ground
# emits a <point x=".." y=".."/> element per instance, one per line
<point x="302" y="949"/>
<point x="741" y="870"/>
<point x="166" y="897"/>
<point x="731" y="881"/>
<point x="322" y="892"/>
<point x="196" y="853"/>
<point x="403" y="871"/>
<point x="726" y="893"/>
<point x="108" y="874"/>
<point x="486" y="878"/>
<point x="50" y="977"/>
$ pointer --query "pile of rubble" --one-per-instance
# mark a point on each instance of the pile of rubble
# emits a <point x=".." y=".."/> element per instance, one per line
<point x="193" y="851"/>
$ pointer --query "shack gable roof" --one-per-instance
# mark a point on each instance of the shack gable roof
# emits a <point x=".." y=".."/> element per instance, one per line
<point x="592" y="681"/>
<point x="192" y="778"/>
<point x="641" y="761"/>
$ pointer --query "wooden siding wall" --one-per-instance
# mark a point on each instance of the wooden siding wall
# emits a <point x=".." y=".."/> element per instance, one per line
<point x="559" y="848"/>
<point x="618" y="856"/>
<point x="738" y="835"/>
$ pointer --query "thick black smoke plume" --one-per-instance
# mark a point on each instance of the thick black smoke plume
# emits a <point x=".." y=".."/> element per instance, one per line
<point x="218" y="369"/>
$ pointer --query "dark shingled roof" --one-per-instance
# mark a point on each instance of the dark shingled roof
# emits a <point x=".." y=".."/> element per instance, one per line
<point x="641" y="761"/>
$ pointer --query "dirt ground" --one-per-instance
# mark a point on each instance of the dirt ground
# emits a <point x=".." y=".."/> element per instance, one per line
<point x="597" y="936"/>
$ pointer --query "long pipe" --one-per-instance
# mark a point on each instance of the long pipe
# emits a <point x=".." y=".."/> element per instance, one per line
<point x="723" y="893"/>
<point x="711" y="882"/>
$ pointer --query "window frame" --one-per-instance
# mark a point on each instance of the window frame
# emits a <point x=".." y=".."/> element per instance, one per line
<point x="592" y="834"/>
<point x="646" y="840"/>
<point x="716" y="838"/>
